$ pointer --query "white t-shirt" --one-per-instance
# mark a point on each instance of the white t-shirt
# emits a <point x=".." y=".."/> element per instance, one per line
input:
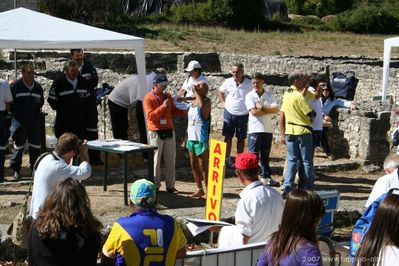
<point x="258" y="213"/>
<point x="188" y="84"/>
<point x="188" y="87"/>
<point x="235" y="96"/>
<point x="5" y="94"/>
<point x="389" y="256"/>
<point x="263" y="123"/>
<point x="125" y="94"/>
<point x="383" y="185"/>
<point x="49" y="172"/>
<point x="317" y="106"/>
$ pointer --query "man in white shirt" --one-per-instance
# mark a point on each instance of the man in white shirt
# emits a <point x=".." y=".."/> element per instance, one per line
<point x="235" y="119"/>
<point x="388" y="181"/>
<point x="57" y="166"/>
<point x="123" y="96"/>
<point x="261" y="106"/>
<point x="316" y="85"/>
<point x="5" y="102"/>
<point x="259" y="210"/>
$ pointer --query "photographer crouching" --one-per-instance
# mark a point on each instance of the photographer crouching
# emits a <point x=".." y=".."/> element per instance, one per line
<point x="56" y="166"/>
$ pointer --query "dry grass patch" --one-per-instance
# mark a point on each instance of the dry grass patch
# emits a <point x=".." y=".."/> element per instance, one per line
<point x="217" y="39"/>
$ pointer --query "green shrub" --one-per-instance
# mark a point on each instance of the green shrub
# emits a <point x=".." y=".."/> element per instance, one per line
<point x="209" y="13"/>
<point x="368" y="19"/>
<point x="318" y="7"/>
<point x="295" y="6"/>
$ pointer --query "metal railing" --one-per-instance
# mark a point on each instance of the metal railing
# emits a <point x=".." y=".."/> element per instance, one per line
<point x="239" y="256"/>
<point x="249" y="254"/>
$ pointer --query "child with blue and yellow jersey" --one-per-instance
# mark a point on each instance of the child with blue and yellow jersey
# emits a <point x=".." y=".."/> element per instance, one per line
<point x="145" y="237"/>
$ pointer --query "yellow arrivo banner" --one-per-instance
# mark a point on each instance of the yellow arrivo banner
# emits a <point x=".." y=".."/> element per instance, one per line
<point x="214" y="192"/>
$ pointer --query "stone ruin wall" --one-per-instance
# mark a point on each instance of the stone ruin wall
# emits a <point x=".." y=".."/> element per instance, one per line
<point x="358" y="135"/>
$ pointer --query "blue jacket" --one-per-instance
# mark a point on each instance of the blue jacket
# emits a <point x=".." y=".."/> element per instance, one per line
<point x="27" y="103"/>
<point x="70" y="105"/>
<point x="91" y="104"/>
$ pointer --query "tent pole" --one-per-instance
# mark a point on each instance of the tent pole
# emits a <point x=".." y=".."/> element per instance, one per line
<point x="15" y="65"/>
<point x="385" y="69"/>
<point x="15" y="51"/>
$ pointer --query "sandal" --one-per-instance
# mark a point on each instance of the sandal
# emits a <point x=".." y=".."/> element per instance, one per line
<point x="198" y="194"/>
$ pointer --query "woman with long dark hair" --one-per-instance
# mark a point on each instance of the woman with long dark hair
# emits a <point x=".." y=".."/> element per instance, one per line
<point x="295" y="243"/>
<point x="65" y="231"/>
<point x="329" y="102"/>
<point x="381" y="243"/>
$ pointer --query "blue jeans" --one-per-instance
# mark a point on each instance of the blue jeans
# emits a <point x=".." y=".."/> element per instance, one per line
<point x="299" y="147"/>
<point x="261" y="143"/>
<point x="316" y="142"/>
<point x="3" y="144"/>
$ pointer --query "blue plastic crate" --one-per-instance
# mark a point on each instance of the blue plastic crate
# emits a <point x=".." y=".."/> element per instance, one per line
<point x="331" y="201"/>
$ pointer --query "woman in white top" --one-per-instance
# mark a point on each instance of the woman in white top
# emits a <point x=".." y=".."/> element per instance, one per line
<point x="381" y="243"/>
<point x="186" y="93"/>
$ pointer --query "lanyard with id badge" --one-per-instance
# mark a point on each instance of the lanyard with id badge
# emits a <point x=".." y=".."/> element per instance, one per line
<point x="162" y="121"/>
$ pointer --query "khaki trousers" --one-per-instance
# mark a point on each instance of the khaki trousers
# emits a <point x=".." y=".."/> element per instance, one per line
<point x="167" y="150"/>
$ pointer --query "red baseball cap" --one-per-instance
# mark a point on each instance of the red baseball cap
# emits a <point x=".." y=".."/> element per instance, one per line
<point x="247" y="160"/>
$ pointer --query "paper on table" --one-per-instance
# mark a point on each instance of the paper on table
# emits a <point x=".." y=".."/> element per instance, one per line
<point x="197" y="226"/>
<point x="126" y="148"/>
<point x="97" y="143"/>
<point x="103" y="143"/>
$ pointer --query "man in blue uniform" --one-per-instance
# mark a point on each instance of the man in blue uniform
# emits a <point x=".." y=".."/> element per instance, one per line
<point x="89" y="73"/>
<point x="68" y="96"/>
<point x="26" y="118"/>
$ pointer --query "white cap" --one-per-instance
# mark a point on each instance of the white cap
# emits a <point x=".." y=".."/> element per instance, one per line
<point x="192" y="65"/>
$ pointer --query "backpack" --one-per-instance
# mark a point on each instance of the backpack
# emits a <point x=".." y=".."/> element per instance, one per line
<point x="102" y="91"/>
<point x="20" y="226"/>
<point x="344" y="84"/>
<point x="363" y="224"/>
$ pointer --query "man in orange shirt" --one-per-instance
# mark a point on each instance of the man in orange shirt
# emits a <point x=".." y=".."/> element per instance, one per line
<point x="159" y="109"/>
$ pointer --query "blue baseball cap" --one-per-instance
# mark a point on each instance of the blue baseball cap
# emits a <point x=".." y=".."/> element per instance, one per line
<point x="143" y="193"/>
<point x="160" y="79"/>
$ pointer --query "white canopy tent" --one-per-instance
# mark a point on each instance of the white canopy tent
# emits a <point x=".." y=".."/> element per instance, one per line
<point x="26" y="29"/>
<point x="388" y="44"/>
